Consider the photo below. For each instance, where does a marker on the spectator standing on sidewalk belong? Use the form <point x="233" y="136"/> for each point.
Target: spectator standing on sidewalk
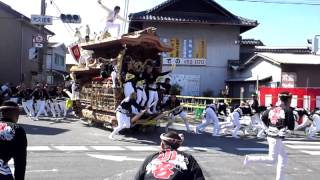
<point x="13" y="143"/>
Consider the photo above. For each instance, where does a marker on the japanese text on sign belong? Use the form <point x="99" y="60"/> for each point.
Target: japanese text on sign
<point x="41" y="20"/>
<point x="184" y="61"/>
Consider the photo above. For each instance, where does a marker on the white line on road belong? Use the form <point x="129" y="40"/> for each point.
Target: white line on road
<point x="252" y="149"/>
<point x="313" y="153"/>
<point x="114" y="158"/>
<point x="108" y="148"/>
<point x="39" y="148"/>
<point x="303" y="147"/>
<point x="143" y="148"/>
<point x="39" y="171"/>
<point x="302" y="142"/>
<point x="71" y="148"/>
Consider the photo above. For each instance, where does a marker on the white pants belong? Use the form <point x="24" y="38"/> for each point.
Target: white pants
<point x="183" y="116"/>
<point x="110" y="25"/>
<point x="62" y="108"/>
<point x="277" y="154"/>
<point x="165" y="98"/>
<point x="41" y="108"/>
<point x="123" y="122"/>
<point x="114" y="79"/>
<point x="26" y="108"/>
<point x="315" y="127"/>
<point x="128" y="89"/>
<point x="206" y="122"/>
<point x="235" y="120"/>
<point x="141" y="97"/>
<point x="153" y="98"/>
<point x="50" y="106"/>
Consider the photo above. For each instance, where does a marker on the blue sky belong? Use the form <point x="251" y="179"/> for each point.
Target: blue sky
<point x="280" y="25"/>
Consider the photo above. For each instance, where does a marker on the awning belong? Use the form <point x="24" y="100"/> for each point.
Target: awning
<point x="249" y="79"/>
<point x="59" y="72"/>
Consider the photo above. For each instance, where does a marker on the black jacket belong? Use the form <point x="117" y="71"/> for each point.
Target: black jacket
<point x="171" y="165"/>
<point x="13" y="144"/>
<point x="278" y="118"/>
<point x="40" y="94"/>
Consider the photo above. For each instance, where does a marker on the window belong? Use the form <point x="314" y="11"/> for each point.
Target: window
<point x="58" y="60"/>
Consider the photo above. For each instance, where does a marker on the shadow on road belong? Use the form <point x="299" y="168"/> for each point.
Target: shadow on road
<point x="225" y="144"/>
<point x="41" y="130"/>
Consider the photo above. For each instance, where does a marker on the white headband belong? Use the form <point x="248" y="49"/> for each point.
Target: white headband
<point x="172" y="140"/>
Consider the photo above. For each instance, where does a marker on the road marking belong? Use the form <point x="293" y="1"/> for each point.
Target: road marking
<point x="302" y="142"/>
<point x="108" y="148"/>
<point x="143" y="148"/>
<point x="303" y="147"/>
<point x="71" y="148"/>
<point x="313" y="153"/>
<point x="116" y="148"/>
<point x="39" y="171"/>
<point x="115" y="158"/>
<point x="253" y="149"/>
<point x="38" y="148"/>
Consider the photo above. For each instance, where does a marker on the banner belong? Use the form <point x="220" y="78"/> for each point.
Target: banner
<point x="175" y="44"/>
<point x="74" y="50"/>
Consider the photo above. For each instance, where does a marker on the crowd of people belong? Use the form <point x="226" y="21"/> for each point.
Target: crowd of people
<point x="41" y="100"/>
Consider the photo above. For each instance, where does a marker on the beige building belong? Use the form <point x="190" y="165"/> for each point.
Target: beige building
<point x="16" y="38"/>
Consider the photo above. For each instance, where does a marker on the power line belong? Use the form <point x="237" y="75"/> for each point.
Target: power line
<point x="58" y="10"/>
<point x="317" y="3"/>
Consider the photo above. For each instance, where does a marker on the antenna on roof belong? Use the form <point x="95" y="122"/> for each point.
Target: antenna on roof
<point x="315" y="44"/>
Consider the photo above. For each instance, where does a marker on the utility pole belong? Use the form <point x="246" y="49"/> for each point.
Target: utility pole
<point x="43" y="50"/>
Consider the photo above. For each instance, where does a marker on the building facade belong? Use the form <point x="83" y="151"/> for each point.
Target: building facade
<point x="56" y="63"/>
<point x="203" y="35"/>
<point x="269" y="69"/>
<point x="16" y="38"/>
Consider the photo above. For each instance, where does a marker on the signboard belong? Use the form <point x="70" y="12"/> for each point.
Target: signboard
<point x="74" y="50"/>
<point x="184" y="61"/>
<point x="288" y="79"/>
<point x="38" y="45"/>
<point x="41" y="20"/>
<point x="38" y="38"/>
<point x="190" y="83"/>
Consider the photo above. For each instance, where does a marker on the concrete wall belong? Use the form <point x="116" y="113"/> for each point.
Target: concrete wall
<point x="221" y="47"/>
<point x="10" y="43"/>
<point x="15" y="41"/>
<point x="52" y="52"/>
<point x="307" y="75"/>
<point x="262" y="68"/>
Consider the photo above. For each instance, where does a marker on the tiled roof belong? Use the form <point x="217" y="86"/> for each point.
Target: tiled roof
<point x="155" y="15"/>
<point x="253" y="42"/>
<point x="18" y="15"/>
<point x="286" y="58"/>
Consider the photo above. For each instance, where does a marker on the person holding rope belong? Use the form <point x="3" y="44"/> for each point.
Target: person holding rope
<point x="170" y="163"/>
<point x="127" y="113"/>
<point x="173" y="104"/>
<point x="278" y="120"/>
<point x="210" y="117"/>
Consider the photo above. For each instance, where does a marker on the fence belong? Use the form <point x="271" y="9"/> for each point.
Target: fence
<point x="196" y="105"/>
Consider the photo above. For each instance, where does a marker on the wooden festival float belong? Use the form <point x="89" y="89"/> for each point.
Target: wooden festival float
<point x="97" y="97"/>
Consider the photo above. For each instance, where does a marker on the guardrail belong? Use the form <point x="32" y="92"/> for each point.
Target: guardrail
<point x="193" y="103"/>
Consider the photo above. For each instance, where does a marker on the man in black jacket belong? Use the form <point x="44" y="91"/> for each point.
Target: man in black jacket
<point x="13" y="143"/>
<point x="170" y="163"/>
<point x="278" y="119"/>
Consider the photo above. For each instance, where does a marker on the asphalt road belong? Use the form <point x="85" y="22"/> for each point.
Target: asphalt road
<point x="71" y="150"/>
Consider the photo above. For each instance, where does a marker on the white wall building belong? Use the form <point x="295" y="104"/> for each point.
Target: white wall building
<point x="56" y="62"/>
<point x="204" y="37"/>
